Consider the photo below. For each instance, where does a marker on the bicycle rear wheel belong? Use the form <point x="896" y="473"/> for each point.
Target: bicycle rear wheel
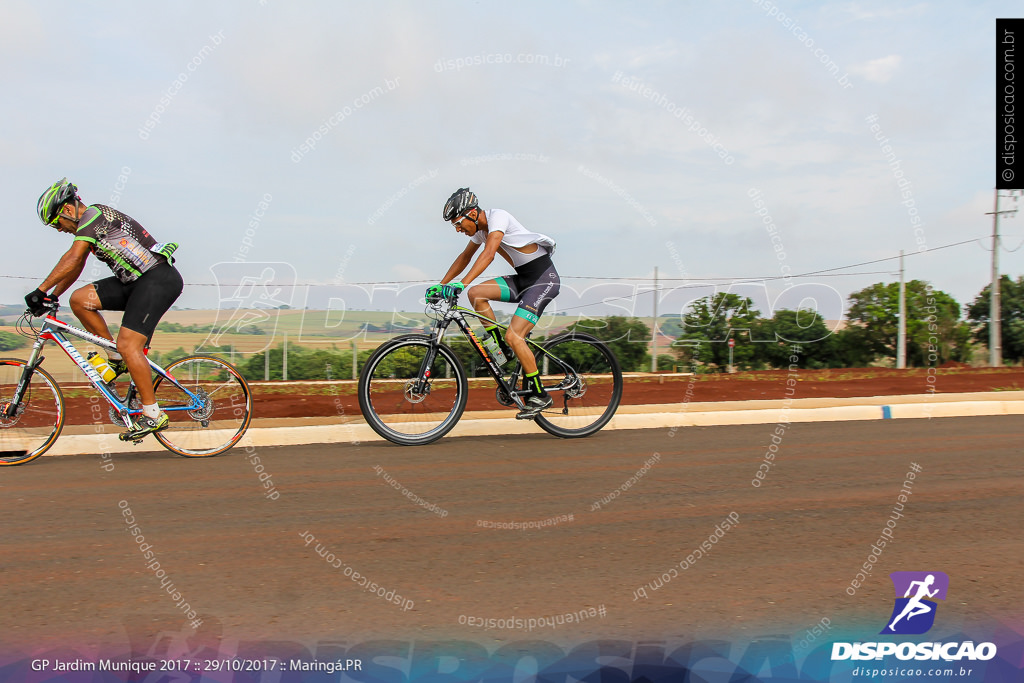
<point x="223" y="412"/>
<point x="390" y="402"/>
<point x="39" y="418"/>
<point x="591" y="385"/>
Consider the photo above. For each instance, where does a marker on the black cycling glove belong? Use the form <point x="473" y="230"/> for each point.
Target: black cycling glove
<point x="39" y="302"/>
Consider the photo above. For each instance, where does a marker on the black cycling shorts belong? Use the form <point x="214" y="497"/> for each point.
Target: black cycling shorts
<point x="145" y="300"/>
<point x="534" y="285"/>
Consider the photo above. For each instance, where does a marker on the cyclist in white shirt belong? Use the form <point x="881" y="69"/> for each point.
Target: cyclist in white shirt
<point x="534" y="284"/>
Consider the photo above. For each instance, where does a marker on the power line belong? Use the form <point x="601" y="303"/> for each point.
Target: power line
<point x="588" y="277"/>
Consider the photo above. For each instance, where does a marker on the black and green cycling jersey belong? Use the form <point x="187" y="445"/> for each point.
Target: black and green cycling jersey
<point x="121" y="242"/>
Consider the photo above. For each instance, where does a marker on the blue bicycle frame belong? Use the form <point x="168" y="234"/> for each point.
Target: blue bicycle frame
<point x="55" y="330"/>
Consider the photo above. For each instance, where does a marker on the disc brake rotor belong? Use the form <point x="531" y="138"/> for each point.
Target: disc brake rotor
<point x="578" y="389"/>
<point x="410" y="392"/>
<point x="13" y="420"/>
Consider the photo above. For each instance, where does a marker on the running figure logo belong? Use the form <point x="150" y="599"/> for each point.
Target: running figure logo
<point x="914" y="612"/>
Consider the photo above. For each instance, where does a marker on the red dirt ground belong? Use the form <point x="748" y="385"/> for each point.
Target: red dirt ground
<point x="319" y="400"/>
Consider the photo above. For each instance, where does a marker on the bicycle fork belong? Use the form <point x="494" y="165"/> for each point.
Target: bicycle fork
<point x="33" y="362"/>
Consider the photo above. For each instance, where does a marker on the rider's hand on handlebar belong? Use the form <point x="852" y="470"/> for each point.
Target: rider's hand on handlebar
<point x="39" y="302"/>
<point x="437" y="293"/>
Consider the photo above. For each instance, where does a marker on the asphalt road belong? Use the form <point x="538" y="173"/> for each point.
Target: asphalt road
<point x="245" y="558"/>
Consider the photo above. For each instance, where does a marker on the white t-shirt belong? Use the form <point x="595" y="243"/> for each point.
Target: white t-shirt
<point x="515" y="236"/>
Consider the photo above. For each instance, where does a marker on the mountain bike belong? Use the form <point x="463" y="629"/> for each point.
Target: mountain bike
<point x="207" y="400"/>
<point x="413" y="389"/>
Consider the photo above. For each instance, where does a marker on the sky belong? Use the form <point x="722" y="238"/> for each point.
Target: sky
<point x="312" y="145"/>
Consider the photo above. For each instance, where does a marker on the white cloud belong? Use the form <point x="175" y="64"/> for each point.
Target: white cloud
<point x="878" y="70"/>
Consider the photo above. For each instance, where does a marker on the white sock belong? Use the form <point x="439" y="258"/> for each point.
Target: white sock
<point x="151" y="411"/>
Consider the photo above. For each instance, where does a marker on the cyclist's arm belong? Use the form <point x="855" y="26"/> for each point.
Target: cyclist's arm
<point x="460" y="263"/>
<point x="486" y="256"/>
<point x="67" y="269"/>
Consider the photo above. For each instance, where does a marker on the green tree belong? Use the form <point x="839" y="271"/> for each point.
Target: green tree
<point x="935" y="332"/>
<point x="1011" y="305"/>
<point x="711" y="322"/>
<point x="9" y="342"/>
<point x="628" y="339"/>
<point x="806" y="328"/>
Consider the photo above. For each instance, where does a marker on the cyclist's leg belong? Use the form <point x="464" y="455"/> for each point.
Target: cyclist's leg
<point x="532" y="302"/>
<point x="481" y="295"/>
<point x="131" y="345"/>
<point x="86" y="304"/>
<point x="516" y="338"/>
<point x="150" y="298"/>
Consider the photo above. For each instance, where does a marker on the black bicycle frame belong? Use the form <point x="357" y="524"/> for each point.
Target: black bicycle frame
<point x="456" y="314"/>
<point x="54" y="330"/>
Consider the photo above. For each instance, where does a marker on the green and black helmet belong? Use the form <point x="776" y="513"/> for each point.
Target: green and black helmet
<point x="461" y="201"/>
<point x="50" y="203"/>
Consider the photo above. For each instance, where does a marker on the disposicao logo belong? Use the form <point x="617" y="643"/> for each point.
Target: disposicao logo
<point x="913" y="613"/>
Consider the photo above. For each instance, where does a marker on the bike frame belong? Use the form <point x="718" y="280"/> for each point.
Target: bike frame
<point x="457" y="314"/>
<point x="57" y="331"/>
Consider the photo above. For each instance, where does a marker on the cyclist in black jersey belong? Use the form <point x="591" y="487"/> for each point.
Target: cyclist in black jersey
<point x="534" y="285"/>
<point x="144" y="285"/>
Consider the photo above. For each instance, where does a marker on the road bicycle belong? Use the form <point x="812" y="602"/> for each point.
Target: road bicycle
<point x="413" y="388"/>
<point x="207" y="400"/>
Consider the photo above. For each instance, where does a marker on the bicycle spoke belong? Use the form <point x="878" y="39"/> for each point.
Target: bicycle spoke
<point x="219" y="415"/>
<point x="586" y="389"/>
<point x="391" y="402"/>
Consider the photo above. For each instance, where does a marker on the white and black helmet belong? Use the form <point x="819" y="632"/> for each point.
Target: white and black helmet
<point x="461" y="201"/>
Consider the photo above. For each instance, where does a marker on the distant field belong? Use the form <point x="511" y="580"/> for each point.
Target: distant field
<point x="307" y="328"/>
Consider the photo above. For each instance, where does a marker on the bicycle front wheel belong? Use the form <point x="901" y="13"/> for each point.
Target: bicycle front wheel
<point x="587" y="382"/>
<point x="214" y="417"/>
<point x="38" y="419"/>
<point x="400" y="410"/>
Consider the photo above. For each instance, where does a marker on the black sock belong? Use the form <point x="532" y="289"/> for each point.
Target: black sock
<point x="533" y="381"/>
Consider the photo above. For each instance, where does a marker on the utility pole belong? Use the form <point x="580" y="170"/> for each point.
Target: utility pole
<point x="995" y="318"/>
<point x="355" y="360"/>
<point x="654" y="325"/>
<point x="901" y="335"/>
<point x="284" y="359"/>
